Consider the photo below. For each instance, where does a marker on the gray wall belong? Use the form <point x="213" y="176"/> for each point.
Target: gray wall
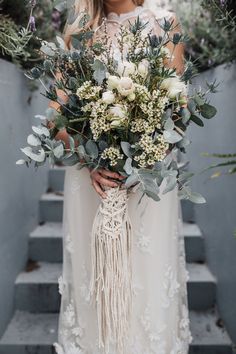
<point x="217" y="218"/>
<point x="20" y="188"/>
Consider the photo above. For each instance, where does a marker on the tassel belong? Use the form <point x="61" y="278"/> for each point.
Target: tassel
<point x="110" y="285"/>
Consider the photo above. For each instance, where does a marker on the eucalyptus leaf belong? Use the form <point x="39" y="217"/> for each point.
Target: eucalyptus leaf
<point x="51" y="113"/>
<point x="197" y="120"/>
<point x="20" y="162"/>
<point x="60" y="122"/>
<point x="185" y="114"/>
<point x="183" y="177"/>
<point x="41" y="130"/>
<point x="102" y="145"/>
<point x="38" y="157"/>
<point x="192" y="106"/>
<point x="169" y="124"/>
<point x="171" y="136"/>
<point x="171" y="184"/>
<point x="128" y="166"/>
<point x="48" y="48"/>
<point x="70" y="159"/>
<point x="72" y="143"/>
<point x="39" y="116"/>
<point x="33" y="140"/>
<point x="208" y="111"/>
<point x="131" y="180"/>
<point x="81" y="151"/>
<point x="91" y="149"/>
<point x="197" y="198"/>
<point x="199" y="100"/>
<point x="126" y="148"/>
<point x="58" y="151"/>
<point x="99" y="71"/>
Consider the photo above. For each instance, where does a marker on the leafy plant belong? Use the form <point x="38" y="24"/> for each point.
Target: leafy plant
<point x="19" y="19"/>
<point x="211" y="28"/>
<point x="226" y="161"/>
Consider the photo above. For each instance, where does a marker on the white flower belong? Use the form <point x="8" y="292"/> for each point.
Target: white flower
<point x="113" y="82"/>
<point x="174" y="86"/>
<point x="131" y="97"/>
<point x="143" y="68"/>
<point x="126" y="86"/>
<point x="108" y="97"/>
<point x="117" y="115"/>
<point x="126" y="68"/>
<point x="117" y="111"/>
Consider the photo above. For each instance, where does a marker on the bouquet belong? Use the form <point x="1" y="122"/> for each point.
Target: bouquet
<point x="125" y="111"/>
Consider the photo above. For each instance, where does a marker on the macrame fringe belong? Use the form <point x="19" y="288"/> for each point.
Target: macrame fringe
<point x="110" y="285"/>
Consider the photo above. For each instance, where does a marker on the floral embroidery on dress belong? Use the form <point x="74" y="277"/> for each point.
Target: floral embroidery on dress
<point x="143" y="241"/>
<point x="69" y="315"/>
<point x="170" y="286"/>
<point x="136" y="288"/>
<point x="69" y="244"/>
<point x="72" y="332"/>
<point x="61" y="285"/>
<point x="75" y="186"/>
<point x="157" y="344"/>
<point x="71" y="349"/>
<point x="84" y="288"/>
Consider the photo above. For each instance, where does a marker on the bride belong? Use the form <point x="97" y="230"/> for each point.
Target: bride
<point x="159" y="321"/>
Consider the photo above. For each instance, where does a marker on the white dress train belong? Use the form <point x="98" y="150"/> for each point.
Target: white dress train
<point x="160" y="316"/>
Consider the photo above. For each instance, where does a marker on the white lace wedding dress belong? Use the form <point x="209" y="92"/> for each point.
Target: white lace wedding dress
<point x="160" y="318"/>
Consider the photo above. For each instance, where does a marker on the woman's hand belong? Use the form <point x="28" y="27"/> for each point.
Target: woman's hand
<point x="100" y="178"/>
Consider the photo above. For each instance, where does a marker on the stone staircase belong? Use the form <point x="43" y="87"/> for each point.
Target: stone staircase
<point x="33" y="328"/>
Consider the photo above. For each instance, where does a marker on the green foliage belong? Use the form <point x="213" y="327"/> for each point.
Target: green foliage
<point x="210" y="26"/>
<point x="17" y="43"/>
<point x="13" y="42"/>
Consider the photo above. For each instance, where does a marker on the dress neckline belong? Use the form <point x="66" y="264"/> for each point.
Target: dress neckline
<point x="113" y="16"/>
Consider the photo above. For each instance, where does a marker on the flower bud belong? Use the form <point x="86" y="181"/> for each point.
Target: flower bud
<point x="108" y="97"/>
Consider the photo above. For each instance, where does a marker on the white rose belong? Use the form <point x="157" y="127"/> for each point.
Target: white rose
<point x="126" y="86"/>
<point x="113" y="82"/>
<point x="174" y="86"/>
<point x="108" y="97"/>
<point x="143" y="68"/>
<point x="117" y="115"/>
<point x="126" y="68"/>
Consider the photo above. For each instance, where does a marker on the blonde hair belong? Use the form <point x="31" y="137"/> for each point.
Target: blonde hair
<point x="95" y="9"/>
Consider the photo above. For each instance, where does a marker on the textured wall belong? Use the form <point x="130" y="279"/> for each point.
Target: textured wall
<point x="217" y="218"/>
<point x="20" y="187"/>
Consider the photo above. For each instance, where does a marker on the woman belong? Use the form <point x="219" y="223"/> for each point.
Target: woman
<point x="159" y="318"/>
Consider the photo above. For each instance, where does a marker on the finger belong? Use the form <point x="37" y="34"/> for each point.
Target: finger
<point x="107" y="182"/>
<point x="98" y="189"/>
<point x="110" y="174"/>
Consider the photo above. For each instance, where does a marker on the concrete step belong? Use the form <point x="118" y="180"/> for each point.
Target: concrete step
<point x="45" y="243"/>
<point x="56" y="178"/>
<point x="187" y="210"/>
<point x="35" y="333"/>
<point x="51" y="207"/>
<point x="30" y="334"/>
<point x="201" y="287"/>
<point x="37" y="290"/>
<point x="194" y="243"/>
<point x="209" y="334"/>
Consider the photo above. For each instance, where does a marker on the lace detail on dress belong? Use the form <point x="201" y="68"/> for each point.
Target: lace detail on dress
<point x="170" y="286"/>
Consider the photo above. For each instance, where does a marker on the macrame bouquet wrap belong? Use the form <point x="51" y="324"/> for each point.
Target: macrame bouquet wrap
<point x="111" y="275"/>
